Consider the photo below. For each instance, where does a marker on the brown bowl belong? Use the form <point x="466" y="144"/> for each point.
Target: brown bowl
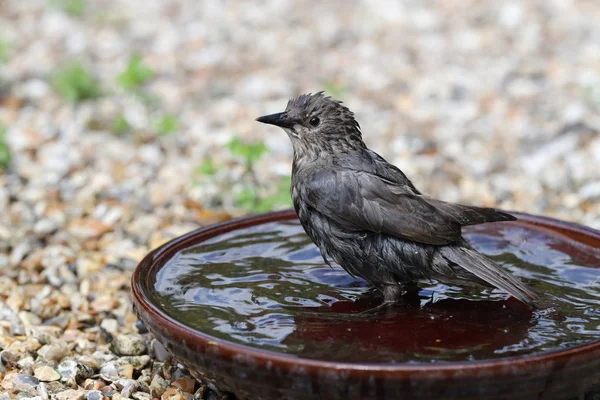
<point x="254" y="373"/>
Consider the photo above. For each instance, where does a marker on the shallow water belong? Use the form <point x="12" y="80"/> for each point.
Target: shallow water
<point x="268" y="287"/>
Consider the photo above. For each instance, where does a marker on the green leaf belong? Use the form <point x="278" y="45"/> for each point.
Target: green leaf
<point x="249" y="200"/>
<point x="74" y="83"/>
<point x="250" y="152"/>
<point x="246" y="198"/>
<point x="167" y="124"/>
<point x="74" y="8"/>
<point x="135" y="74"/>
<point x="5" y="154"/>
<point x="281" y="197"/>
<point x="5" y="49"/>
<point x="120" y="125"/>
<point x="207" y="167"/>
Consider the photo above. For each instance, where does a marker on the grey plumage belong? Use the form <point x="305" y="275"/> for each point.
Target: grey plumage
<point x="367" y="216"/>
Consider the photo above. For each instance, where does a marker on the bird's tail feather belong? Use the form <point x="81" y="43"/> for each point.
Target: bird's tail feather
<point x="489" y="271"/>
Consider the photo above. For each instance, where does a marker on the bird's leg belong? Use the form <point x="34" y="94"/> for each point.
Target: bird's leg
<point x="395" y="295"/>
<point x="392" y="293"/>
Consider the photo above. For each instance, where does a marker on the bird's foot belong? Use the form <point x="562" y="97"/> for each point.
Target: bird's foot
<point x="395" y="296"/>
<point x="382" y="308"/>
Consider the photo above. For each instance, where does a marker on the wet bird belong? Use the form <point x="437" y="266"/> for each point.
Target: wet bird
<point x="366" y="215"/>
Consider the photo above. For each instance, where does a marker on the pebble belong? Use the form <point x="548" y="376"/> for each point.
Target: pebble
<point x="129" y="345"/>
<point x="137" y="362"/>
<point x="53" y="352"/>
<point x="43" y="391"/>
<point x="70" y="394"/>
<point x="141" y="396"/>
<point x="111" y="325"/>
<point x="109" y="372"/>
<point x="158" y="386"/>
<point x="70" y="368"/>
<point x="186" y="385"/>
<point x="24" y="383"/>
<point x="126" y="386"/>
<point x="94" y="395"/>
<point x="46" y="374"/>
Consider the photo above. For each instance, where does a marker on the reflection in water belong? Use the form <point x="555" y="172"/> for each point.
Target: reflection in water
<point x="268" y="287"/>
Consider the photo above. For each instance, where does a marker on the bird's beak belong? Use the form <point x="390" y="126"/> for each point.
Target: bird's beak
<point x="280" y="119"/>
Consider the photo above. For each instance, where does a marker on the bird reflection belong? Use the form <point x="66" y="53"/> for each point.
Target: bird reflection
<point x="444" y="330"/>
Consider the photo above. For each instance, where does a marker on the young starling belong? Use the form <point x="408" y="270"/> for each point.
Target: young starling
<point x="367" y="216"/>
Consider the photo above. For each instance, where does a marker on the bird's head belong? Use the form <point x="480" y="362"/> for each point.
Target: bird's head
<point x="315" y="122"/>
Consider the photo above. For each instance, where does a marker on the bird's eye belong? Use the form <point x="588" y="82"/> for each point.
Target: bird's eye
<point x="314" y="121"/>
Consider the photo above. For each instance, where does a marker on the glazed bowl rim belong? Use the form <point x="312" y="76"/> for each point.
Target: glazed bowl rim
<point x="231" y="350"/>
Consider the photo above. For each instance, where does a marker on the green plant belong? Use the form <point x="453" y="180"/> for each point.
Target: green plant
<point x="135" y="75"/>
<point x="5" y="49"/>
<point x="5" y="155"/>
<point x="249" y="152"/>
<point x="592" y="95"/>
<point x="75" y="83"/>
<point x="249" y="194"/>
<point x="74" y="8"/>
<point x="120" y="125"/>
<point x="166" y="125"/>
<point x="207" y="167"/>
<point x="249" y="199"/>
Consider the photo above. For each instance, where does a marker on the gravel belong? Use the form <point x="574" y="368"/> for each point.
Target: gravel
<point x="488" y="103"/>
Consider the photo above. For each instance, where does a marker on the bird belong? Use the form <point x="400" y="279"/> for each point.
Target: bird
<point x="367" y="216"/>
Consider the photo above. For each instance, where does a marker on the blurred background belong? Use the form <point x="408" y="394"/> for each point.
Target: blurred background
<point x="124" y="124"/>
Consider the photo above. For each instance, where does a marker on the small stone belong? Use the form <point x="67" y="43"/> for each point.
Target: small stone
<point x="172" y="394"/>
<point x="138" y="362"/>
<point x="108" y="391"/>
<point x="186" y="385"/>
<point x="43" y="391"/>
<point x="91" y="362"/>
<point x="200" y="392"/>
<point x="28" y="345"/>
<point x="87" y="228"/>
<point x="128" y="345"/>
<point x="70" y="394"/>
<point x="158" y="386"/>
<point x="54" y="388"/>
<point x="46" y="374"/>
<point x="126" y="386"/>
<point x="93" y="384"/>
<point x="104" y="303"/>
<point x="159" y="350"/>
<point x="110" y="325"/>
<point x="126" y="371"/>
<point x="94" y="395"/>
<point x="109" y="372"/>
<point x="44" y="334"/>
<point x="141" y="396"/>
<point x="53" y="352"/>
<point x="140" y="326"/>
<point x="10" y="358"/>
<point x="23" y="383"/>
<point x="26" y="363"/>
<point x="70" y="368"/>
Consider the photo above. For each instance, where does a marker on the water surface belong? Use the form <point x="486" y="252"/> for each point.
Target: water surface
<point x="268" y="287"/>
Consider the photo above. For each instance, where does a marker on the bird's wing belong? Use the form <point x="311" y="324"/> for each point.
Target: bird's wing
<point x="362" y="201"/>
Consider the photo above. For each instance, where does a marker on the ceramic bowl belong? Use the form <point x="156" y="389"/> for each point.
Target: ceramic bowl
<point x="252" y="373"/>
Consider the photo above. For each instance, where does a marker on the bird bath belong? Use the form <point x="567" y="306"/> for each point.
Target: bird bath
<point x="251" y="306"/>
